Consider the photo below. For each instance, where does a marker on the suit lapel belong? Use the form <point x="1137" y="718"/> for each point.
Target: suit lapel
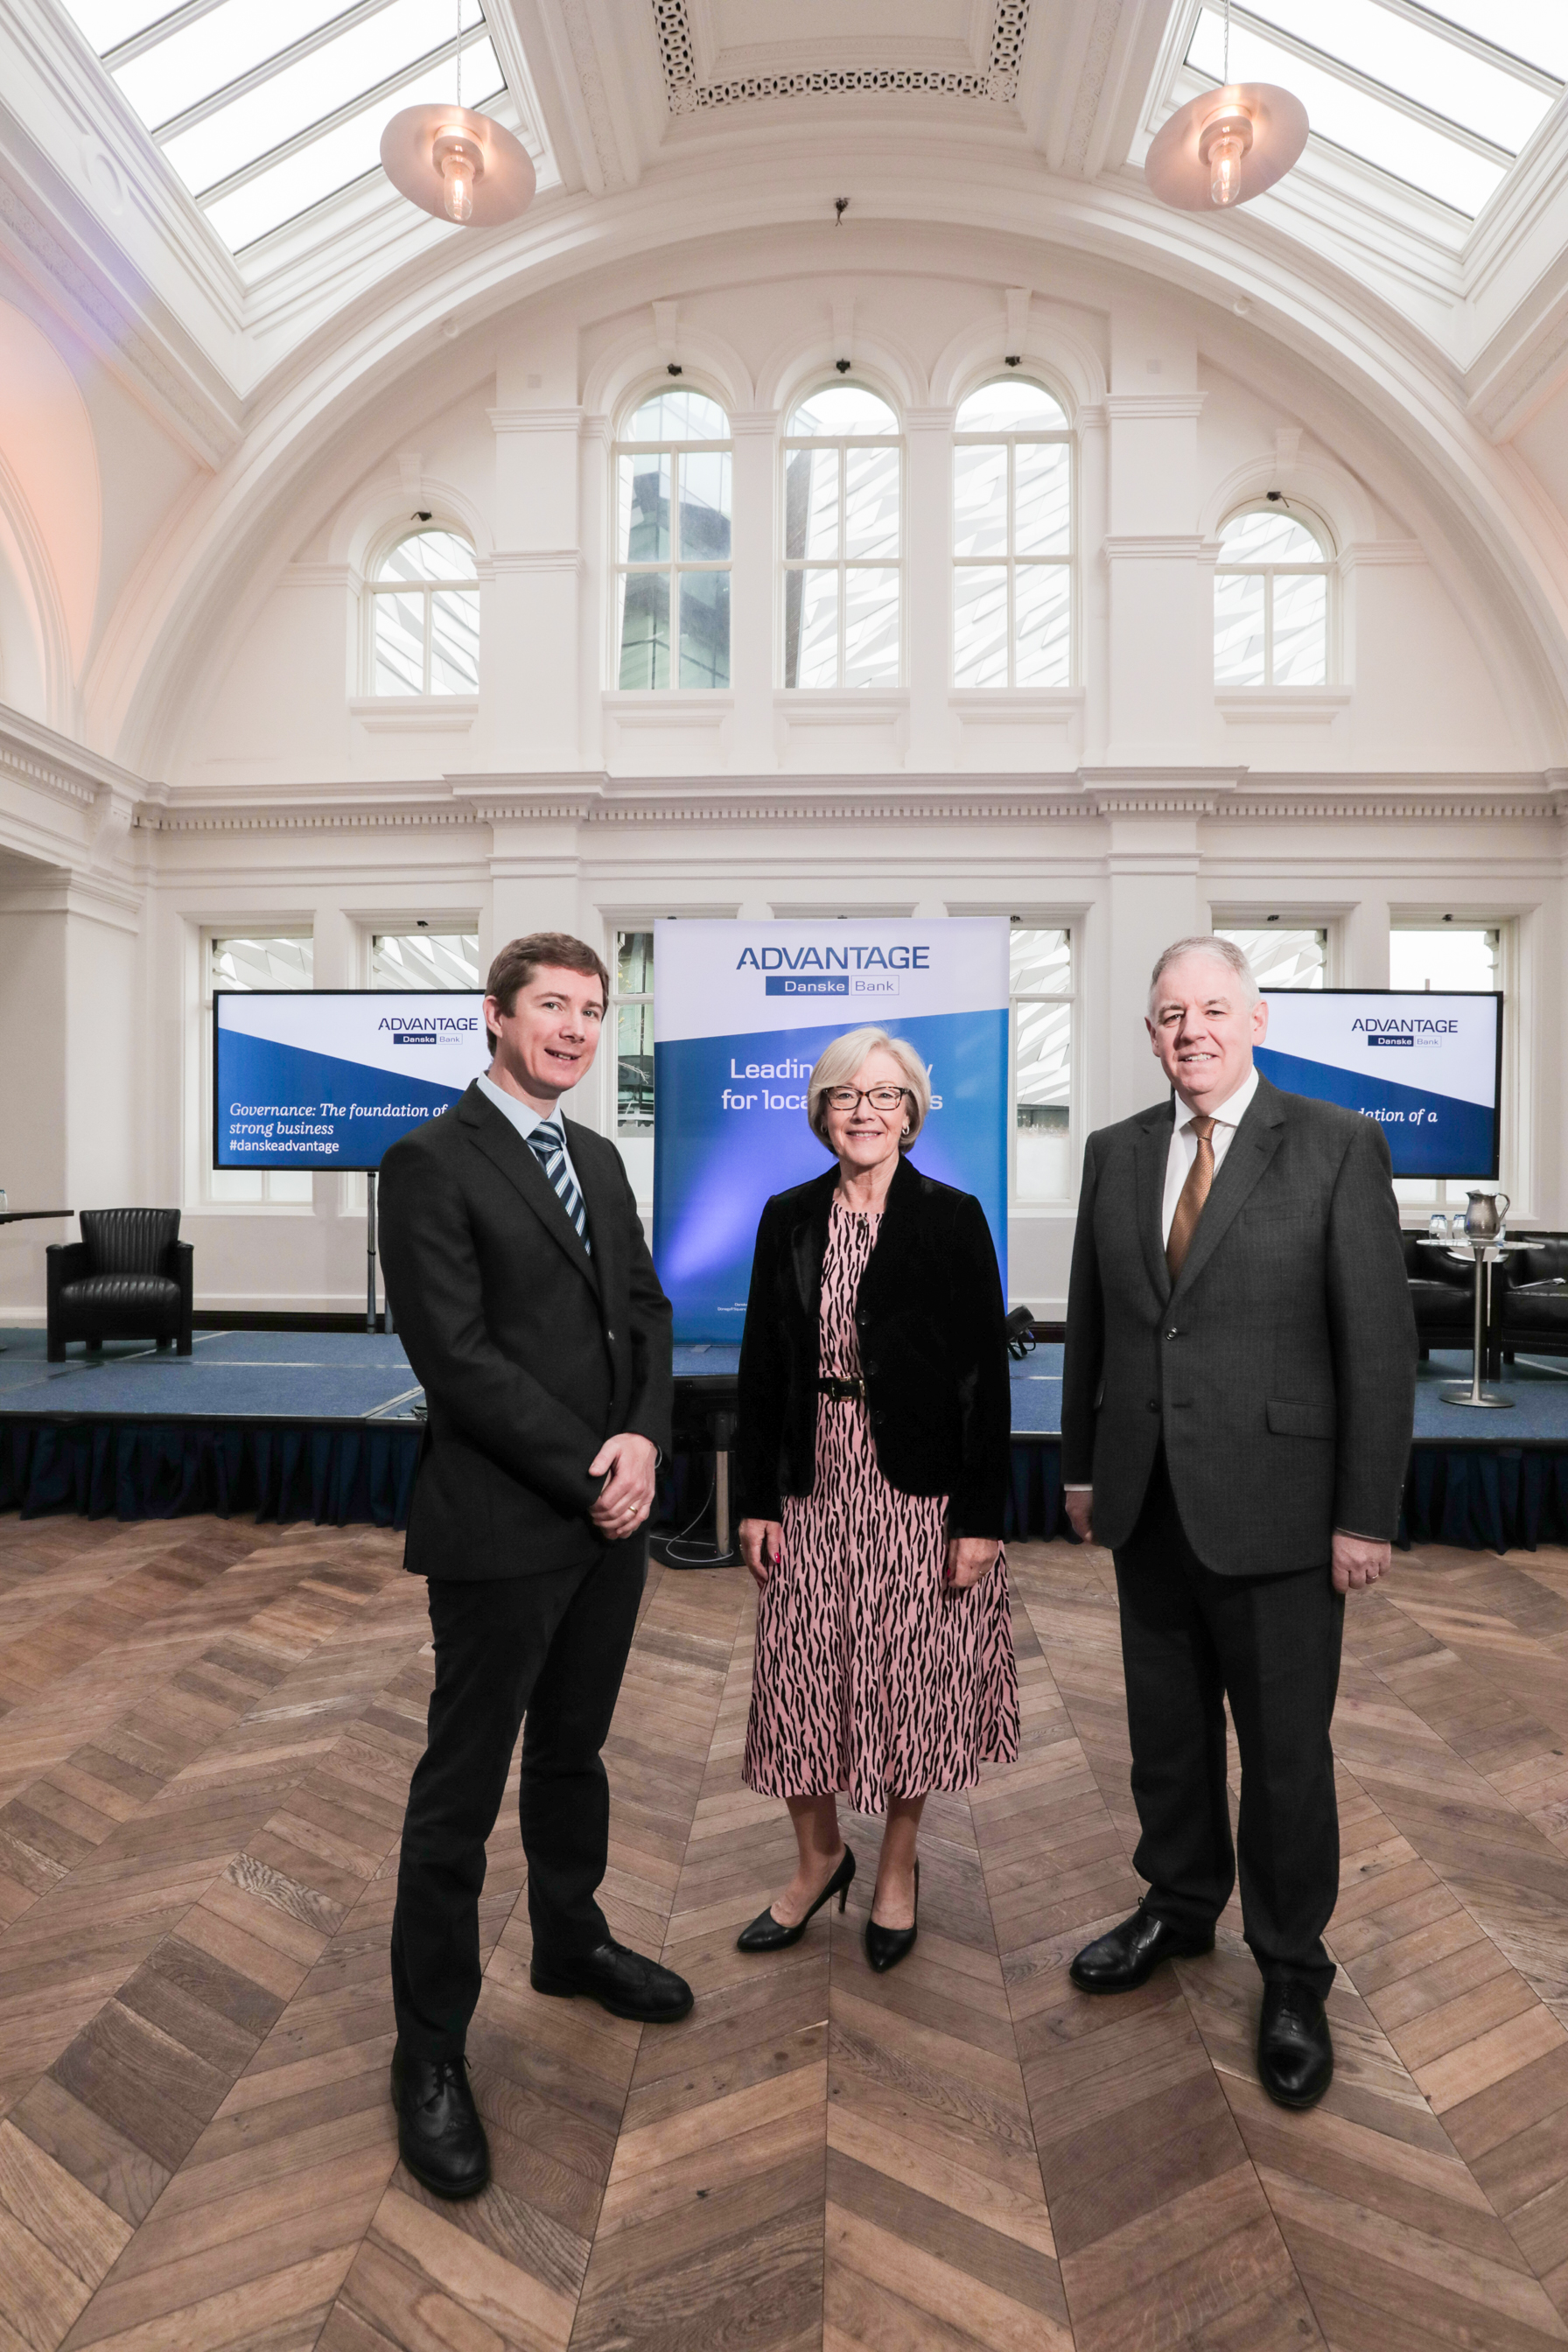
<point x="1252" y="1147"/>
<point x="808" y="1242"/>
<point x="1152" y="1154"/>
<point x="505" y="1148"/>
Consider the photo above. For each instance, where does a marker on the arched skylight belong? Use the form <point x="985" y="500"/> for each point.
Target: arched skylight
<point x="266" y="107"/>
<point x="842" y="408"/>
<point x="1011" y="405"/>
<point x="1442" y="95"/>
<point x="678" y="416"/>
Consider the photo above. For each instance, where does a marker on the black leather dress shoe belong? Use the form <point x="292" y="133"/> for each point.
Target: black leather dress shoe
<point x="439" y="2135"/>
<point x="767" y="1934"/>
<point x="886" y="1947"/>
<point x="1294" y="2052"/>
<point x="622" y="1982"/>
<point x="1127" y="1957"/>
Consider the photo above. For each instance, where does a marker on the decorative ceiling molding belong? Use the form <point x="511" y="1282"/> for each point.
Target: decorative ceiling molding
<point x="998" y="83"/>
<point x="209" y="433"/>
<point x="1092" y="85"/>
<point x="596" y="98"/>
<point x="598" y="800"/>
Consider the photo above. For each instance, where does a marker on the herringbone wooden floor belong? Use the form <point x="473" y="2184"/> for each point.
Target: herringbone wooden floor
<point x="205" y="1734"/>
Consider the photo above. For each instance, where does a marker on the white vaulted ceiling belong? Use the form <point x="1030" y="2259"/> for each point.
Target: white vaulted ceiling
<point x="192" y="184"/>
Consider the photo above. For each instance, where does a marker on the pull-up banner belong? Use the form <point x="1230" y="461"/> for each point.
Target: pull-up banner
<point x="740" y="1013"/>
<point x="1427" y="1068"/>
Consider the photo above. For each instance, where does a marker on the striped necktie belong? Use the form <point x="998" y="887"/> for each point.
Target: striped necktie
<point x="548" y="1145"/>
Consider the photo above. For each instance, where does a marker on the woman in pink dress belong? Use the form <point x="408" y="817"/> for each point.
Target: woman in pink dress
<point x="872" y="1458"/>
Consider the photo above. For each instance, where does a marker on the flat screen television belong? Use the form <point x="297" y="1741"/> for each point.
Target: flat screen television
<point x="329" y="1077"/>
<point x="1427" y="1068"/>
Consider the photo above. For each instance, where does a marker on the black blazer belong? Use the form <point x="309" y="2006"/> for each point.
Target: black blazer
<point x="531" y="1352"/>
<point x="933" y="1350"/>
<point x="1280" y="1369"/>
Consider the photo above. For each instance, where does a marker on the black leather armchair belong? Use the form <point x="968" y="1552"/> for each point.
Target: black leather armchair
<point x="129" y="1277"/>
<point x="1442" y="1292"/>
<point x="1534" y="1298"/>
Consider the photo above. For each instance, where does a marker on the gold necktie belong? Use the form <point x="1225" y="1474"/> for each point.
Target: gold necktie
<point x="1194" y="1193"/>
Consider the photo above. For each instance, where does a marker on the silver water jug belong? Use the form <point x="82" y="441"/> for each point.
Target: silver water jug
<point x="1483" y="1218"/>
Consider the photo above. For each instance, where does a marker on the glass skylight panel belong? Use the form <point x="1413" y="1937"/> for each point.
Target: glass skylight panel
<point x="1535" y="31"/>
<point x="266" y="107"/>
<point x="1423" y="153"/>
<point x="1419" y="61"/>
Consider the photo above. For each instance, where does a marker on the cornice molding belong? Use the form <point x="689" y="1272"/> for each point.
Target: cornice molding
<point x="1142" y="407"/>
<point x="536" y="420"/>
<point x="35" y="755"/>
<point x="1178" y="546"/>
<point x="528" y="560"/>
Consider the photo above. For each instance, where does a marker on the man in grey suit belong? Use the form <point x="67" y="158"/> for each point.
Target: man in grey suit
<point x="1238" y="1393"/>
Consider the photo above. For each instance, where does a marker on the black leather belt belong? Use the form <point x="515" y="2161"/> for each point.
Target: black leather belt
<point x="842" y="1391"/>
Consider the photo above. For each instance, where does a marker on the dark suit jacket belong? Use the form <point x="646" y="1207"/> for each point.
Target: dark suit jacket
<point x="1280" y="1370"/>
<point x="531" y="1352"/>
<point x="932" y="1328"/>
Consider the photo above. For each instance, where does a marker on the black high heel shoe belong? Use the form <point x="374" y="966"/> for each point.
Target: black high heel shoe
<point x="767" y="1934"/>
<point x="886" y="1947"/>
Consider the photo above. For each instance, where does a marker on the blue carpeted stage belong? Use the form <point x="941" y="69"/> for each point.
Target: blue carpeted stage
<point x="327" y="1426"/>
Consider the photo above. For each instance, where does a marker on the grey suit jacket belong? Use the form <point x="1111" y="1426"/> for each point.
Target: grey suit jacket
<point x="1280" y="1369"/>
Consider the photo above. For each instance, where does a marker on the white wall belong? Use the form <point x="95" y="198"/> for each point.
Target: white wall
<point x="1132" y="806"/>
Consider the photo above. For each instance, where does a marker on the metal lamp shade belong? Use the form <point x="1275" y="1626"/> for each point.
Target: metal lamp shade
<point x="1176" y="170"/>
<point x="501" y="191"/>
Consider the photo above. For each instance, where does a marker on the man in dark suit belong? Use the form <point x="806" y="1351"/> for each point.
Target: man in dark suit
<point x="530" y="1311"/>
<point x="1238" y="1393"/>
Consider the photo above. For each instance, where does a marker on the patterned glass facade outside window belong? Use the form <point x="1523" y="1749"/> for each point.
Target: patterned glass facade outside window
<point x="673" y="492"/>
<point x="425" y="617"/>
<point x="843" y="496"/>
<point x="1271" y="600"/>
<point x="1012" y="539"/>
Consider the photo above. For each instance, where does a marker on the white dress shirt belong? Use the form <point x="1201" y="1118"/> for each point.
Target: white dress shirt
<point x="525" y="1119"/>
<point x="1184" y="1148"/>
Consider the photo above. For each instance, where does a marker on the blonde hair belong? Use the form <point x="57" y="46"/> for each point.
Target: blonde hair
<point x="837" y="1063"/>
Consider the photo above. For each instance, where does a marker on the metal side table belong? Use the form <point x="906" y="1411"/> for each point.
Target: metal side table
<point x="1481" y="1254"/>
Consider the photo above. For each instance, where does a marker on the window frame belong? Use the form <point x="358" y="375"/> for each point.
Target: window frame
<point x="1064" y="434"/>
<point x="675" y="565"/>
<point x="618" y="926"/>
<point x="1449" y="1192"/>
<point x="267" y="1201"/>
<point x="428" y="589"/>
<point x="842" y="563"/>
<point x="1327" y="569"/>
<point x="1043" y="1204"/>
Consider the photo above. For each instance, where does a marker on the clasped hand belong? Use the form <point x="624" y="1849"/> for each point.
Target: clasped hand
<point x="626" y="1498"/>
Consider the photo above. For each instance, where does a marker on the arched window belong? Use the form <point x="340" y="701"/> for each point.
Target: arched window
<point x="1271" y="599"/>
<point x="843" y="491"/>
<point x="1012" y="538"/>
<point x="425" y="617"/>
<point x="672" y="544"/>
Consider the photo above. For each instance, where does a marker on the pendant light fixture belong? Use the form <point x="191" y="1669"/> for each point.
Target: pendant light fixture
<point x="459" y="165"/>
<point x="1228" y="145"/>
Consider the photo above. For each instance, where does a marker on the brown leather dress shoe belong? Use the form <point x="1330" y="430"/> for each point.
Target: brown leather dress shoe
<point x="439" y="2135"/>
<point x="1126" y="1956"/>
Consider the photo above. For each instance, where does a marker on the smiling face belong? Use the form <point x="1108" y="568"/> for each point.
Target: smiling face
<point x="865" y="1136"/>
<point x="547" y="1042"/>
<point x="1203" y="1029"/>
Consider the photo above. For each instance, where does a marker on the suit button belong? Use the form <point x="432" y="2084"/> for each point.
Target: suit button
<point x="1172" y="1333"/>
<point x="611" y="1337"/>
<point x="1153" y="1404"/>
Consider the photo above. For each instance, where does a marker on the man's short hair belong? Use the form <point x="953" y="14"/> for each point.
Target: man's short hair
<point x="1208" y="944"/>
<point x="517" y="961"/>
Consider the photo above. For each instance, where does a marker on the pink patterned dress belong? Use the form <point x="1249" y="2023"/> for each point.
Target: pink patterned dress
<point x="873" y="1676"/>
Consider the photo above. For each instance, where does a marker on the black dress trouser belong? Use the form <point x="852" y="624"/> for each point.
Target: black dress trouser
<point x="1271" y="1644"/>
<point x="552" y="1648"/>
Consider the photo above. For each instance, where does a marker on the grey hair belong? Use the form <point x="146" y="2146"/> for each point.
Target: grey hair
<point x="1209" y="944"/>
<point x="842" y="1056"/>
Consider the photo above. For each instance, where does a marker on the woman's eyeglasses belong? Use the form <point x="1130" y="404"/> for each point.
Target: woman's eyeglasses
<point x="851" y="1098"/>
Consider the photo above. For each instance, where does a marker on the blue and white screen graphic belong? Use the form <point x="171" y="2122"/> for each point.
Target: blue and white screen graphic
<point x="1426" y="1067"/>
<point x="740" y="1013"/>
<point x="329" y="1078"/>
